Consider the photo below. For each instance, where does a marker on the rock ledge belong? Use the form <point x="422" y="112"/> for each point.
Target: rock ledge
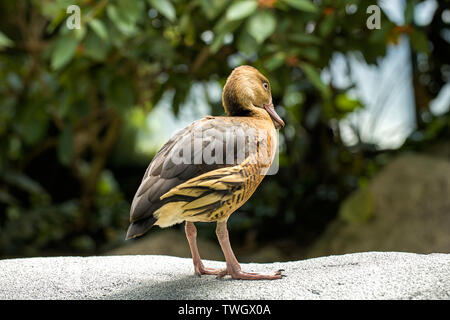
<point x="369" y="275"/>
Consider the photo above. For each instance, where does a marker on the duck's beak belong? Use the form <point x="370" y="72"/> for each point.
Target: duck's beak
<point x="277" y="121"/>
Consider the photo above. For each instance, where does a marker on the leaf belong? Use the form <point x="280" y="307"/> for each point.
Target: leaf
<point x="33" y="122"/>
<point x="304" y="38"/>
<point x="57" y="18"/>
<point x="120" y="94"/>
<point x="63" y="51"/>
<point x="5" y="41"/>
<point x="7" y="198"/>
<point x="311" y="53"/>
<point x="303" y="5"/>
<point x="346" y="104"/>
<point x="165" y="7"/>
<point x="22" y="182"/>
<point x="327" y="25"/>
<point x="80" y="33"/>
<point x="122" y="23"/>
<point x="314" y="76"/>
<point x="212" y="8"/>
<point x="99" y="28"/>
<point x="276" y="61"/>
<point x="419" y="41"/>
<point x="261" y="25"/>
<point x="65" y="146"/>
<point x="222" y="28"/>
<point x="95" y="48"/>
<point x="130" y="9"/>
<point x="241" y="9"/>
<point x="409" y="11"/>
<point x="246" y="43"/>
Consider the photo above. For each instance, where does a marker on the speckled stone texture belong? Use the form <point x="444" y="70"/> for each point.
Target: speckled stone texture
<point x="369" y="275"/>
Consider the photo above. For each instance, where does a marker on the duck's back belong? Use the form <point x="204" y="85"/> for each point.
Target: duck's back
<point x="203" y="173"/>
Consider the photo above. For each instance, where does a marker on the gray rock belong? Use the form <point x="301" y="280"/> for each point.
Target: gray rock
<point x="370" y="275"/>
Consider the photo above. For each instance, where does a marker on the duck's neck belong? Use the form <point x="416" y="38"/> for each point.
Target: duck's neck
<point x="259" y="113"/>
<point x="248" y="111"/>
<point x="238" y="111"/>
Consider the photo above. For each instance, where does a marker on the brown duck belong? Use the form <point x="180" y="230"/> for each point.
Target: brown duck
<point x="211" y="168"/>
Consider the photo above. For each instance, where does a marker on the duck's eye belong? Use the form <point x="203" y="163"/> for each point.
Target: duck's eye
<point x="266" y="85"/>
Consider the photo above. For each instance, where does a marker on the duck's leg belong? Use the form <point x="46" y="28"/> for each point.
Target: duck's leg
<point x="191" y="235"/>
<point x="233" y="268"/>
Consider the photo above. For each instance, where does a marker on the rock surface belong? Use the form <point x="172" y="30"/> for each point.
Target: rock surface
<point x="370" y="275"/>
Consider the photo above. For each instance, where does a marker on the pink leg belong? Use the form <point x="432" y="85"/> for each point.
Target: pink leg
<point x="233" y="268"/>
<point x="191" y="235"/>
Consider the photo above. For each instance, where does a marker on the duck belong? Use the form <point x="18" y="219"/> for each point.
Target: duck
<point x="209" y="169"/>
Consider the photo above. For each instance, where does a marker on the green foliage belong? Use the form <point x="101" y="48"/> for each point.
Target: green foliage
<point x="261" y="25"/>
<point x="65" y="146"/>
<point x="344" y="103"/>
<point x="66" y="97"/>
<point x="241" y="9"/>
<point x="165" y="7"/>
<point x="304" y="5"/>
<point x="5" y="41"/>
<point x="63" y="51"/>
<point x="419" y="42"/>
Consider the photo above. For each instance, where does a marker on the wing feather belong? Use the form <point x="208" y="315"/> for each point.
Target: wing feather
<point x="164" y="174"/>
<point x="213" y="191"/>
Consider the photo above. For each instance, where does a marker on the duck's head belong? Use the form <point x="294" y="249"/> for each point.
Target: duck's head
<point x="246" y="92"/>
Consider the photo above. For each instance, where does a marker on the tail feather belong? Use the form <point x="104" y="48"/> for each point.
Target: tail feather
<point x="138" y="228"/>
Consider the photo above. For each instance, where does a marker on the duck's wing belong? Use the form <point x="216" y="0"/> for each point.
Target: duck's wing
<point x="209" y="197"/>
<point x="183" y="158"/>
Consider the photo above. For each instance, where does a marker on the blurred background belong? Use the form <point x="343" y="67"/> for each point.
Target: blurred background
<point x="364" y="156"/>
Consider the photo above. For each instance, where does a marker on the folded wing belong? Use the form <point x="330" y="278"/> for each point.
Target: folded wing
<point x="203" y="147"/>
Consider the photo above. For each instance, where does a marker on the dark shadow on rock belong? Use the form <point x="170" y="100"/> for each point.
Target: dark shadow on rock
<point x="183" y="288"/>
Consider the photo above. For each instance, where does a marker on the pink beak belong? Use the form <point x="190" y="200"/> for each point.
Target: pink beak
<point x="277" y="121"/>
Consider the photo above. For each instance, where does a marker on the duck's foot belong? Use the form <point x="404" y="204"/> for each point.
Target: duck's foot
<point x="200" y="270"/>
<point x="242" y="275"/>
<point x="233" y="268"/>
